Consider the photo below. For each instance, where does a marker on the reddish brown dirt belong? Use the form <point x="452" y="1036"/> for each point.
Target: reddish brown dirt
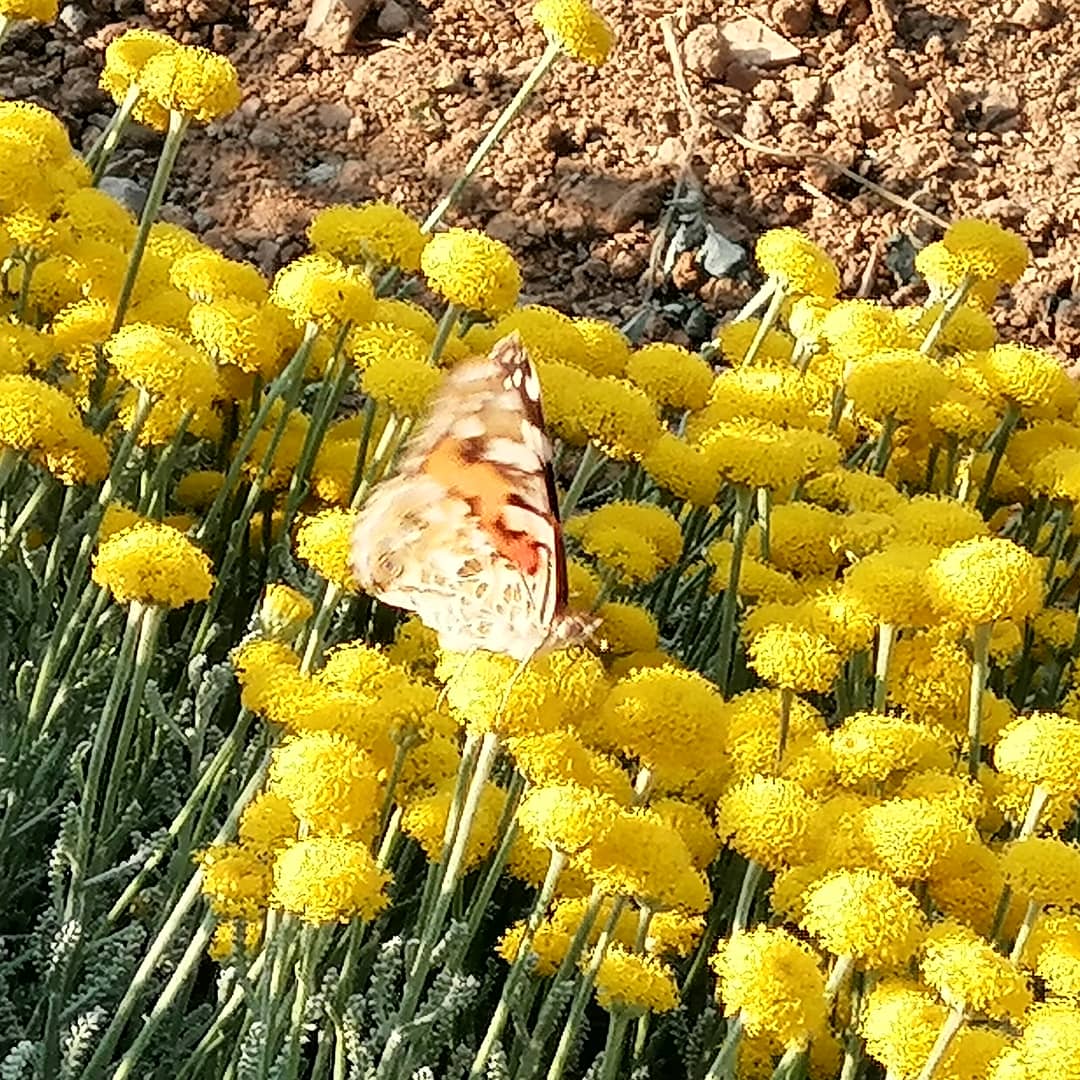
<point x="966" y="108"/>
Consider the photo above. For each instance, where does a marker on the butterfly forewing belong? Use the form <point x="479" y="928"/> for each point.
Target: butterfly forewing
<point x="466" y="533"/>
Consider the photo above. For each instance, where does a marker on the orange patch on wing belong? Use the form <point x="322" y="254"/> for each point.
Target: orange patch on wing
<point x="487" y="491"/>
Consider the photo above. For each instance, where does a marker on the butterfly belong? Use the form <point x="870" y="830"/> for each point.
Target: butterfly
<point x="466" y="532"/>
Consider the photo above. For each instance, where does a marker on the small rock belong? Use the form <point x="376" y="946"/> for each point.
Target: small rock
<point x="74" y="18"/>
<point x="393" y="19"/>
<point x="203" y="220"/>
<point x="1035" y="15"/>
<point x="706" y="52"/>
<point x="289" y="63"/>
<point x="267" y="255"/>
<point x="330" y="23"/>
<point x="792" y="16"/>
<point x="670" y="151"/>
<point x="999" y="105"/>
<point x="640" y="201"/>
<point x="79" y="92"/>
<point x="323" y="173"/>
<point x="265" y="136"/>
<point x="718" y="255"/>
<point x="505" y="226"/>
<point x="124" y="191"/>
<point x="206" y="12"/>
<point x="756" y="121"/>
<point x="805" y="94"/>
<point x="333" y="115"/>
<point x="752" y="42"/>
<point x="869" y="89"/>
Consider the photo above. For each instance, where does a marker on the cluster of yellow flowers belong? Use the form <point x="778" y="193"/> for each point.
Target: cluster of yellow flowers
<point x="834" y="558"/>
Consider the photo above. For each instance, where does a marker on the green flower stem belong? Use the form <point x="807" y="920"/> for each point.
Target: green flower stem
<point x="206" y="789"/>
<point x="102" y="150"/>
<point x="362" y="450"/>
<point x="174" y="137"/>
<point x="786" y="697"/>
<point x="1036" y="805"/>
<point x="447" y="322"/>
<point x="149" y="627"/>
<point x="949" y="1030"/>
<point x="152" y="502"/>
<point x="1031" y="913"/>
<point x="158" y="948"/>
<point x="393" y="436"/>
<point x="841" y="966"/>
<point x="306" y="967"/>
<point x="837" y="412"/>
<point x="5" y="26"/>
<point x="1062" y="529"/>
<point x="726" y="1063"/>
<point x="502" y="122"/>
<point x="764" y="517"/>
<point x="286" y="384"/>
<point x="519" y="968"/>
<point x="33" y="503"/>
<point x="317" y="627"/>
<point x="980" y="668"/>
<point x="747" y="894"/>
<point x="618" y="1021"/>
<point x="401" y="752"/>
<point x="885" y="643"/>
<point x="641" y="1033"/>
<point x="743" y="499"/>
<point x="592" y="460"/>
<point x="88" y="620"/>
<point x="998" y="442"/>
<point x="883" y="449"/>
<point x="582" y="990"/>
<point x="777" y="296"/>
<point x="544" y="1027"/>
<point x="29" y="263"/>
<point x="757" y="301"/>
<point x="948" y="310"/>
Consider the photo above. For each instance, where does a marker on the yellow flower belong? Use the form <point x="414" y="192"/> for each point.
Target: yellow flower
<point x="152" y="563"/>
<point x="627" y="628"/>
<point x="607" y="348"/>
<point x="775" y="982"/>
<point x="39" y="10"/>
<point x="415" y="646"/>
<point x="985" y="579"/>
<point x="795" y="658"/>
<point x="985" y="251"/>
<point x="619" y="548"/>
<point x="553" y="936"/>
<point x="682" y="469"/>
<point x="965" y="884"/>
<point x="235" y="881"/>
<point x="1032" y="379"/>
<point x="900" y="383"/>
<point x="125" y="58"/>
<point x="425" y="821"/>
<point x="690" y="821"/>
<point x="1042" y="749"/>
<point x="403" y="381"/>
<point x="870" y="747"/>
<point x="224" y="945"/>
<point x="967" y="329"/>
<point x="468" y="268"/>
<point x="901" y="1024"/>
<point x="560" y="757"/>
<point x="324" y="542"/>
<point x="766" y="820"/>
<point x="1045" y="870"/>
<point x="1053" y="953"/>
<point x="320" y="289"/>
<point x="267" y="823"/>
<point x="799" y="264"/>
<point x="735" y="339"/>
<point x="1048" y="1047"/>
<point x="842" y="489"/>
<point x="326" y="879"/>
<point x="581" y="31"/>
<point x="206" y="275"/>
<point x="164" y="365"/>
<point x="376" y="233"/>
<point x="31" y="124"/>
<point x="283" y="612"/>
<point x="190" y="80"/>
<point x="909" y="835"/>
<point x="856" y="329"/>
<point x="548" y="335"/>
<point x="566" y="817"/>
<point x="968" y="973"/>
<point x="892" y="584"/>
<point x="196" y="490"/>
<point x="759" y="453"/>
<point x="936" y="519"/>
<point x="864" y="914"/>
<point x="618" y="417"/>
<point x="235" y="331"/>
<point x="637" y="983"/>
<point x="673" y="377"/>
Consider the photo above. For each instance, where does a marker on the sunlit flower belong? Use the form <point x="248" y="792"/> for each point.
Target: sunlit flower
<point x="682" y="468"/>
<point x="560" y="757"/>
<point x="324" y="541"/>
<point x="404" y="382"/>
<point x="153" y="563"/>
<point x="235" y="331"/>
<point x="164" y="365"/>
<point x="125" y="58"/>
<point x="468" y="268"/>
<point x="618" y="417"/>
<point x="607" y="348"/>
<point x="267" y="823"/>
<point x="1045" y="870"/>
<point x="206" y="275"/>
<point x="901" y="1024"/>
<point x="795" y="658"/>
<point x="893" y="584"/>
<point x="692" y="824"/>
<point x="566" y="817"/>
<point x="375" y="233"/>
<point x="870" y="747"/>
<point x="582" y="32"/>
<point x="910" y="835"/>
<point x="633" y="981"/>
<point x="1048" y="1047"/>
<point x="735" y="339"/>
<point x="193" y="81"/>
<point x="985" y="579"/>
<point x="672" y="376"/>
<point x="1053" y="953"/>
<point x="986" y="251"/>
<point x="1042" y="749"/>
<point x="797" y="262"/>
<point x="856" y="329"/>
<point x="425" y="821"/>
<point x="235" y="881"/>
<point x="320" y="289"/>
<point x="326" y="879"/>
<point x="766" y="820"/>
<point x="1031" y="378"/>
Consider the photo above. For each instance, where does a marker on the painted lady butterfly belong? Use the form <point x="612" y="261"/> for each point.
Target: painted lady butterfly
<point x="466" y="532"/>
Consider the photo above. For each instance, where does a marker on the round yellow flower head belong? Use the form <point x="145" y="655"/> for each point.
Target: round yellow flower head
<point x="795" y="658"/>
<point x="900" y="383"/>
<point x="871" y="747"/>
<point x="968" y="973"/>
<point x="1042" y="749"/>
<point x="375" y="234"/>
<point x="1048" y="1047"/>
<point x="766" y="819"/>
<point x="901" y="1024"/>
<point x="657" y="526"/>
<point x="235" y="881"/>
<point x="892" y="584"/>
<point x="125" y="58"/>
<point x="1045" y="870"/>
<point x="627" y="628"/>
<point x="325" y="542"/>
<point x="986" y="579"/>
<point x="985" y="251"/>
<point x="197" y="83"/>
<point x="322" y="290"/>
<point x="207" y="276"/>
<point x="774" y="981"/>
<point x="328" y="781"/>
<point x="32" y="124"/>
<point x="673" y="377"/>
<point x="549" y="336"/>
<point x="401" y="380"/>
<point x="965" y="884"/>
<point x="163" y="364"/>
<point x="236" y="332"/>
<point x="153" y="563"/>
<point x="909" y="835"/>
<point x="691" y="822"/>
<point x="963" y="414"/>
<point x="753" y="729"/>
<point x="1053" y="953"/>
<point x="560" y="757"/>
<point x="864" y="914"/>
<point x="283" y="612"/>
<point x="797" y="262"/>
<point x="326" y="879"/>
<point x="368" y="344"/>
<point x="607" y="348"/>
<point x="685" y="470"/>
<point x="636" y="983"/>
<point x="842" y="489"/>
<point x="967" y="329"/>
<point x="267" y="823"/>
<point x="576" y="25"/>
<point x="197" y="490"/>
<point x="856" y="329"/>
<point x="618" y="417"/>
<point x="403" y="315"/>
<point x="566" y="817"/>
<point x="775" y="351"/>
<point x="470" y="269"/>
<point x="936" y="519"/>
<point x="425" y="821"/>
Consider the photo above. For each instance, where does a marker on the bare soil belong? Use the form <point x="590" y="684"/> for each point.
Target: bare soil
<point x="966" y="108"/>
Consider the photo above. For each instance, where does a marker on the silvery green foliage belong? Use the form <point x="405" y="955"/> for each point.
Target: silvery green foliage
<point x="457" y="1067"/>
<point x="78" y="1041"/>
<point x="63" y="850"/>
<point x="108" y="970"/>
<point x="425" y="1072"/>
<point x="593" y="1071"/>
<point x="450" y="994"/>
<point x="457" y="935"/>
<point x="695" y="1040"/>
<point x="640" y="1073"/>
<point x="62" y="947"/>
<point x="386" y="974"/>
<point x="247" y="1067"/>
<point x="358" y="1053"/>
<point x="19" y="1062"/>
<point x="498" y="1068"/>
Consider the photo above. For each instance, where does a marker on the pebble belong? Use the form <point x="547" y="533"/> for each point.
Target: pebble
<point x="124" y="191"/>
<point x="750" y="41"/>
<point x="393" y="19"/>
<point x="323" y="173"/>
<point x="73" y="18"/>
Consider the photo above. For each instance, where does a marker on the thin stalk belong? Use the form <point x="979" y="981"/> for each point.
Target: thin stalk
<point x="948" y="310"/>
<point x="949" y="1030"/>
<point x="886" y="641"/>
<point x="747" y="894"/>
<point x="883" y="450"/>
<point x="743" y="499"/>
<point x="618" y="1021"/>
<point x="102" y="150"/>
<point x="764" y="518"/>
<point x="1031" y="913"/>
<point x="998" y="442"/>
<point x="591" y="461"/>
<point x="776" y="301"/>
<point x="174" y="137"/>
<point x="725" y="1065"/>
<point x="756" y="302"/>
<point x="786" y="697"/>
<point x="41" y="491"/>
<point x="502" y="122"/>
<point x="447" y="321"/>
<point x="980" y="667"/>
